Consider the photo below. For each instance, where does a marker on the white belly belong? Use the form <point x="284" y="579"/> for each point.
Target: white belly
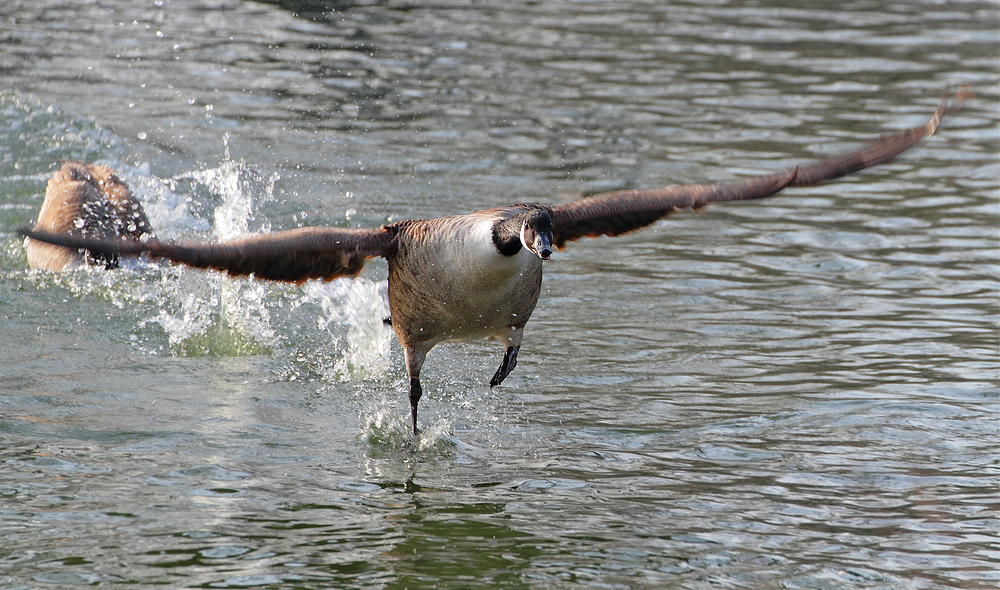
<point x="460" y="287"/>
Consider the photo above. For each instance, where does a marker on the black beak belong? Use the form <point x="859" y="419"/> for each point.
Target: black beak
<point x="543" y="246"/>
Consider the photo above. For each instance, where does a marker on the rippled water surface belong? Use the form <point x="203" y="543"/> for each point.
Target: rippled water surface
<point x="795" y="393"/>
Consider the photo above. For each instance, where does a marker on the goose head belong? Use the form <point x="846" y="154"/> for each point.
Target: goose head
<point x="536" y="233"/>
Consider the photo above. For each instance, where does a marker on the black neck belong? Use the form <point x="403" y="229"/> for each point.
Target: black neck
<point x="507" y="235"/>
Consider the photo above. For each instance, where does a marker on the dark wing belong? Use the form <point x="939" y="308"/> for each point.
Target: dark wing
<point x="615" y="213"/>
<point x="294" y="255"/>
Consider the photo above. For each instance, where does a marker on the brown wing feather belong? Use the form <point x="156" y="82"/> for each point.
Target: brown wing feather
<point x="294" y="255"/>
<point x="615" y="213"/>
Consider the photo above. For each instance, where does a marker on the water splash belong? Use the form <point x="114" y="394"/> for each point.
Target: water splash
<point x="212" y="316"/>
<point x="170" y="210"/>
<point x="200" y="313"/>
<point x="242" y="188"/>
<point x="387" y="429"/>
<point x="352" y="314"/>
<point x="218" y="315"/>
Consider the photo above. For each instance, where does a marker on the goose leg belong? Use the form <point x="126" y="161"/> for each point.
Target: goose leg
<point x="415" y="392"/>
<point x="506" y="366"/>
<point x="415" y="355"/>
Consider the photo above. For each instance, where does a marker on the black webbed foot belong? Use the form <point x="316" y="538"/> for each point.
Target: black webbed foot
<point x="508" y="364"/>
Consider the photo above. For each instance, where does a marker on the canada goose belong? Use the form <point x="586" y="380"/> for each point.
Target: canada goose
<point x="477" y="275"/>
<point x="87" y="201"/>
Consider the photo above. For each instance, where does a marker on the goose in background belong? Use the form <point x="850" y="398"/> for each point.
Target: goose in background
<point x="477" y="275"/>
<point x="86" y="201"/>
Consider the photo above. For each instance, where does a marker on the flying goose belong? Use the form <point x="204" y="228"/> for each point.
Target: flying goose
<point x="476" y="275"/>
<point x="86" y="201"/>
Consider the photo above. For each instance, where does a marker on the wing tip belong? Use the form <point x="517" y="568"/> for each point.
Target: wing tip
<point x="950" y="104"/>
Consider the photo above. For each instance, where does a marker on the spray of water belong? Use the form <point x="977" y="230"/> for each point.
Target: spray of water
<point x="352" y="313"/>
<point x="333" y="332"/>
<point x="218" y="315"/>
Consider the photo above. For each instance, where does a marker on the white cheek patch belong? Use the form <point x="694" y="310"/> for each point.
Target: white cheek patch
<point x="524" y="242"/>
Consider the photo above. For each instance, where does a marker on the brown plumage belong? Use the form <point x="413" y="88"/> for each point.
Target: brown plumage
<point x="87" y="201"/>
<point x="478" y="275"/>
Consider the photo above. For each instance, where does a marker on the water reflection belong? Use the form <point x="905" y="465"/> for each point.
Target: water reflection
<point x="799" y="393"/>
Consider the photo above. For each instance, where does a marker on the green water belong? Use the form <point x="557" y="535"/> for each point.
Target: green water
<point x="794" y="393"/>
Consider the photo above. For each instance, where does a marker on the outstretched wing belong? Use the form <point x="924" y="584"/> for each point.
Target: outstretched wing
<point x="294" y="255"/>
<point x="618" y="212"/>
